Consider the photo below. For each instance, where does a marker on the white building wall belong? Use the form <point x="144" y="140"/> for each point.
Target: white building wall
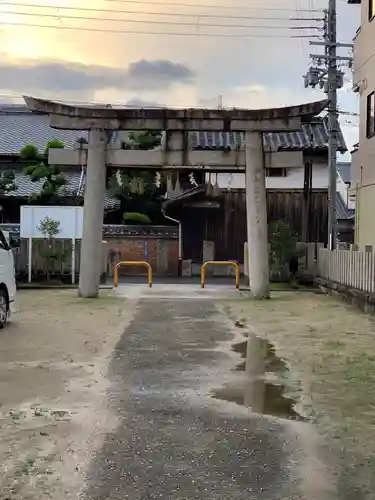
<point x="363" y="160"/>
<point x="294" y="180"/>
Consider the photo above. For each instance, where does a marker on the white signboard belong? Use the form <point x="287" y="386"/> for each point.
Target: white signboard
<point x="70" y="218"/>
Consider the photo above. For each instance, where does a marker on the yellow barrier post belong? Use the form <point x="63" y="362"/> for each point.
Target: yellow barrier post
<point x="132" y="263"/>
<point x="115" y="276"/>
<point x="221" y="263"/>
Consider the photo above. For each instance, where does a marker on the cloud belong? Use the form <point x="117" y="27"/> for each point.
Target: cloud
<point x="158" y="73"/>
<point x="141" y="103"/>
<point x="51" y="77"/>
<point x="256" y="96"/>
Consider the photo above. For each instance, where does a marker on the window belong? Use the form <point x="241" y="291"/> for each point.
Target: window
<point x="371" y="9"/>
<point x="370" y="118"/>
<point x="275" y="172"/>
<point x="3" y="242"/>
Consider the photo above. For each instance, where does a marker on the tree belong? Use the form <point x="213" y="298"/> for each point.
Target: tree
<point x="143" y="140"/>
<point x="48" y="249"/>
<point x="49" y="228"/>
<point x="7" y="182"/>
<point x="136" y="190"/>
<point x="282" y="243"/>
<point x="283" y="247"/>
<point x="40" y="170"/>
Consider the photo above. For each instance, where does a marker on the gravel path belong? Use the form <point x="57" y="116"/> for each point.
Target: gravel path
<point x="173" y="440"/>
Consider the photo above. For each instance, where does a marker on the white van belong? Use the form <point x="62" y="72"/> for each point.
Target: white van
<point x="8" y="288"/>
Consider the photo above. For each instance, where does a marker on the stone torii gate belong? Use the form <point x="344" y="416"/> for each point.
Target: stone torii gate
<point x="176" y="154"/>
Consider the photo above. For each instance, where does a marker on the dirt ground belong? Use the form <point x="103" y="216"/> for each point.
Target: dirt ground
<point x="54" y="356"/>
<point x="329" y="347"/>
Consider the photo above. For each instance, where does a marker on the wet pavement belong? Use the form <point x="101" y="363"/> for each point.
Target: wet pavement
<point x="174" y="440"/>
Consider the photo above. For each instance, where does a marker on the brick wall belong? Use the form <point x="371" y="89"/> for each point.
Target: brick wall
<point x="156" y="244"/>
<point x="162" y="254"/>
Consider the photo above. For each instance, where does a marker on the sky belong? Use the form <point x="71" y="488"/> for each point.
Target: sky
<point x="127" y="55"/>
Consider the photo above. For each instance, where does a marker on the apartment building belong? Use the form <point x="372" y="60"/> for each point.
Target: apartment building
<point x="363" y="156"/>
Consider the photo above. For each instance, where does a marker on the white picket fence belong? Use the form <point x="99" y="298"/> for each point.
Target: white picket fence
<point x="352" y="268"/>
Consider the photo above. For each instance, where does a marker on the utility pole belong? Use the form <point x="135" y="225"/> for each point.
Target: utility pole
<point x="326" y="74"/>
<point x="333" y="123"/>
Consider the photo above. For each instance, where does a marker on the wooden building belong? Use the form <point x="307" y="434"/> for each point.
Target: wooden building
<point x="298" y="195"/>
<point x="221" y="219"/>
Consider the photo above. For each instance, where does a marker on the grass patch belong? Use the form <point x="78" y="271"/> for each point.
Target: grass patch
<point x="329" y="347"/>
<point x="105" y="298"/>
<point x="28" y="467"/>
<point x="69" y="297"/>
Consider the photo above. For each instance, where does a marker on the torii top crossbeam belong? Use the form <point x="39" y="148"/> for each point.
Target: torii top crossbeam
<point x="64" y="116"/>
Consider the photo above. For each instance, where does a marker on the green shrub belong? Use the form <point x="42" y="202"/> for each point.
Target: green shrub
<point x="136" y="218"/>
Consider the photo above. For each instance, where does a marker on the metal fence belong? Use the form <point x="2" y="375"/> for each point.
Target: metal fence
<point x="352" y="268"/>
<point x="59" y="257"/>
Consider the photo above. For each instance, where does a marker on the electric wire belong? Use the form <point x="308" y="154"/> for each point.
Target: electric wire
<point x="216" y="7"/>
<point x="105" y="104"/>
<point x="357" y="68"/>
<point x="167" y="14"/>
<point x="164" y="23"/>
<point x="197" y="34"/>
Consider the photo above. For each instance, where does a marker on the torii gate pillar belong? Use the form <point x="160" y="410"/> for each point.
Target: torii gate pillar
<point x="256" y="212"/>
<point x="91" y="249"/>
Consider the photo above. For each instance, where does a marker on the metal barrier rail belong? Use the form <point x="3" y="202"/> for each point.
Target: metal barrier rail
<point x="220" y="263"/>
<point x="132" y="263"/>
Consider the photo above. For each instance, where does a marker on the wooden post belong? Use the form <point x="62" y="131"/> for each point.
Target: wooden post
<point x="369" y="269"/>
<point x="307" y="186"/>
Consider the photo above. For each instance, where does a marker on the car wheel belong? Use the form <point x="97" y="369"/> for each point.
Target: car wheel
<point x="3" y="309"/>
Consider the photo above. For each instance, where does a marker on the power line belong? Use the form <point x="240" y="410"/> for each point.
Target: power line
<point x="113" y="104"/>
<point x="164" y="23"/>
<point x="91" y="103"/>
<point x="348" y="113"/>
<point x="166" y="33"/>
<point x="103" y="104"/>
<point x="173" y="14"/>
<point x="301" y="39"/>
<point x="357" y="68"/>
<point x="216" y="7"/>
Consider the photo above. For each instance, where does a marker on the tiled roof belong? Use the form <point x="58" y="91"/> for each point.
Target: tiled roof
<point x="26" y="187"/>
<point x="343" y="212"/>
<point x="18" y="127"/>
<point x="313" y="135"/>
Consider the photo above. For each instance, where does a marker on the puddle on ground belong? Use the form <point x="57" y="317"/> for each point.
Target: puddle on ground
<point x="240" y="348"/>
<point x="265" y="349"/>
<point x="254" y="390"/>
